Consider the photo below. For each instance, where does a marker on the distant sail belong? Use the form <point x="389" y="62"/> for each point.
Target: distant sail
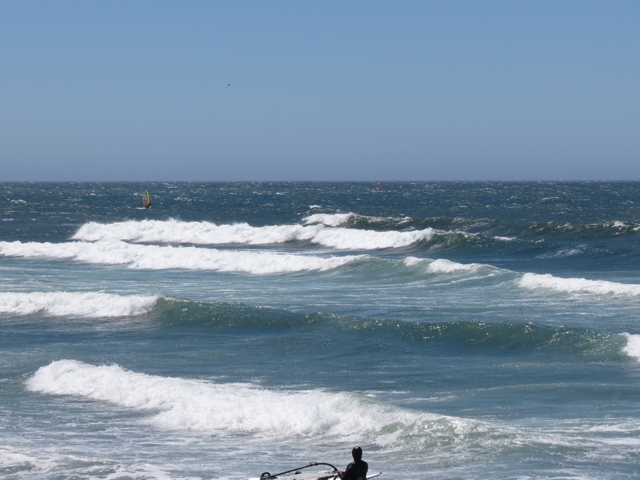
<point x="146" y="199"/>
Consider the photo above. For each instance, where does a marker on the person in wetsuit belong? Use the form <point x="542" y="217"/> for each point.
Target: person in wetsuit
<point x="357" y="469"/>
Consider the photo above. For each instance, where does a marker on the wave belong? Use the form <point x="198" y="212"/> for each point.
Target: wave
<point x="577" y="285"/>
<point x="580" y="231"/>
<point x="199" y="233"/>
<point x="88" y="305"/>
<point x="207" y="233"/>
<point x="155" y="257"/>
<point x="465" y="337"/>
<point x="329" y="219"/>
<point x="171" y="403"/>
<point x="357" y="221"/>
<point x="447" y="266"/>
<point x="442" y="265"/>
<point x="632" y="348"/>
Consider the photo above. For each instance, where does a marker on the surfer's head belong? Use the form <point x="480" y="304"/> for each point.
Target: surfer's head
<point x="357" y="453"/>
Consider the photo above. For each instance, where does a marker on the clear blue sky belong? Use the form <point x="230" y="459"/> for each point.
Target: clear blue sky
<point x="319" y="90"/>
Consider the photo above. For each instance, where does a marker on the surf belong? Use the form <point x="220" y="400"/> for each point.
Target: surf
<point x="172" y="403"/>
<point x="156" y="257"/>
<point x="322" y="232"/>
<point x="75" y="304"/>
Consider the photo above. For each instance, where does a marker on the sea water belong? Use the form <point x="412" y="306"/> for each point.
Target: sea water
<point x="453" y="330"/>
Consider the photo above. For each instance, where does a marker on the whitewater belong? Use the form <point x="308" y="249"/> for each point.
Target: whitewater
<point x="452" y="330"/>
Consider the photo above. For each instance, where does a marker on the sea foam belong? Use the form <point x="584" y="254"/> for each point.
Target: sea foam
<point x="632" y="348"/>
<point x="447" y="266"/>
<point x="199" y="233"/>
<point x="329" y="219"/>
<point x="90" y="305"/>
<point x="239" y="408"/>
<point x="442" y="265"/>
<point x="322" y="232"/>
<point x="578" y="285"/>
<point x="156" y="257"/>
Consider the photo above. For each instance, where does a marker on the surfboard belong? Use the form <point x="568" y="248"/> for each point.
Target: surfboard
<point x="319" y="476"/>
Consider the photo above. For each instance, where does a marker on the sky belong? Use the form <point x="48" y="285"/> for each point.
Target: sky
<point x="319" y="90"/>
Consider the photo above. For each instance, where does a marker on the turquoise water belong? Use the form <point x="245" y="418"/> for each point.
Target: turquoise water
<point x="453" y="330"/>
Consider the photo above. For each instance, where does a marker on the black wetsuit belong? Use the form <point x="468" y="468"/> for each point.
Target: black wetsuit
<point x="355" y="470"/>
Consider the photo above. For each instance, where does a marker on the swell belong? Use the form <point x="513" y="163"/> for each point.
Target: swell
<point x="464" y="337"/>
<point x="578" y="231"/>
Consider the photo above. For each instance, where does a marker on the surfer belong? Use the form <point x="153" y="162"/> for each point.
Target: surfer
<point x="357" y="469"/>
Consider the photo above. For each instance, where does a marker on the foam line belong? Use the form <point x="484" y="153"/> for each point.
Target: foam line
<point x="90" y="305"/>
<point x="578" y="285"/>
<point x="156" y="257"/>
<point x="207" y="233"/>
<point x="180" y="404"/>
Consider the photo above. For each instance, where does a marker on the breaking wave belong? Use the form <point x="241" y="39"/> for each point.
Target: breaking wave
<point x="242" y="408"/>
<point x="154" y="257"/>
<point x="632" y="348"/>
<point x="320" y="229"/>
<point x="578" y="285"/>
<point x="89" y="305"/>
<point x="329" y="219"/>
<point x="442" y="265"/>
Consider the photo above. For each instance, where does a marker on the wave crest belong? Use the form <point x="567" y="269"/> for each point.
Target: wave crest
<point x="89" y="305"/>
<point x="154" y="257"/>
<point x="321" y="229"/>
<point x="180" y="404"/>
<point x="578" y="285"/>
<point x="632" y="348"/>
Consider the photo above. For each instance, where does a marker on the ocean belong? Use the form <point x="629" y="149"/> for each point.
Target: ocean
<point x="453" y="330"/>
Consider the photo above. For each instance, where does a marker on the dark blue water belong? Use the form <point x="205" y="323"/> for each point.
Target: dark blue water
<point x="453" y="330"/>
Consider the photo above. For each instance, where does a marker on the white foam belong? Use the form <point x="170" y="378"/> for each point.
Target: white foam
<point x="353" y="239"/>
<point x="206" y="233"/>
<point x="337" y="219"/>
<point x="10" y="459"/>
<point x="632" y="348"/>
<point x="505" y="239"/>
<point x="180" y="404"/>
<point x="447" y="266"/>
<point x="442" y="265"/>
<point x="91" y="305"/>
<point x="413" y="261"/>
<point x="154" y="257"/>
<point x="200" y="233"/>
<point x="329" y="219"/>
<point x="46" y="464"/>
<point x="578" y="285"/>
